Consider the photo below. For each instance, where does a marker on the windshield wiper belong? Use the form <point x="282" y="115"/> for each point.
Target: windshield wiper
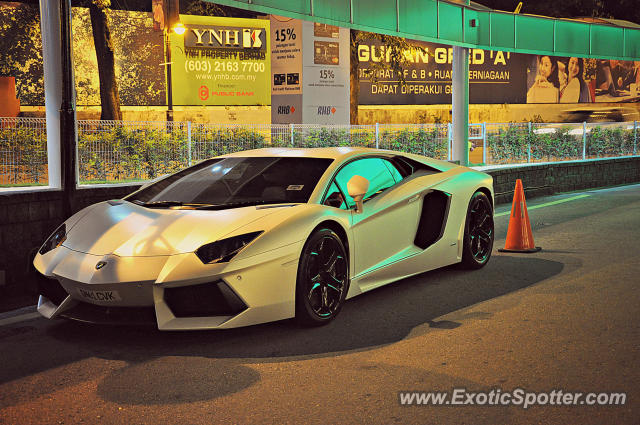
<point x="235" y="204"/>
<point x="194" y="206"/>
<point x="159" y="204"/>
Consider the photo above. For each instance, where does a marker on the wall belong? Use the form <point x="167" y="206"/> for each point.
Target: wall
<point x="26" y="219"/>
<point x="245" y="115"/>
<point x="367" y="114"/>
<point x="549" y="178"/>
<point x="402" y="114"/>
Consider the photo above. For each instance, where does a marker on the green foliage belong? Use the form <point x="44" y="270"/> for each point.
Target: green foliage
<point x="23" y="154"/>
<point x="430" y="141"/>
<point x="515" y="143"/>
<point x="510" y="144"/>
<point x="113" y="152"/>
<point x="138" y="55"/>
<point x="116" y="151"/>
<point x="558" y="145"/>
<point x="21" y="51"/>
<point x="323" y="137"/>
<point x="602" y="142"/>
<point x="214" y="141"/>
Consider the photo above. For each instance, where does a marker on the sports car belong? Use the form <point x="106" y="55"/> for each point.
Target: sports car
<point x="265" y="235"/>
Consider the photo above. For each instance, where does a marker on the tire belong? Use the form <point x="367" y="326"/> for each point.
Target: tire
<point x="478" y="232"/>
<point x="323" y="278"/>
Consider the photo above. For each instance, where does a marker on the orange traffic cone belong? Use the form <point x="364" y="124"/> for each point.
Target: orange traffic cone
<point x="519" y="236"/>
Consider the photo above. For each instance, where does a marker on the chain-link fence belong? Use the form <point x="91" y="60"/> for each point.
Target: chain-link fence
<point x="120" y="151"/>
<point x="23" y="152"/>
<point x="515" y="143"/>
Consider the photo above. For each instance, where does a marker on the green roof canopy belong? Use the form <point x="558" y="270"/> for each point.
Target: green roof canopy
<point x="462" y="25"/>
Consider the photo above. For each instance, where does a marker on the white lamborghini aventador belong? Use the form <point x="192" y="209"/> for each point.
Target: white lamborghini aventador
<point x="264" y="235"/>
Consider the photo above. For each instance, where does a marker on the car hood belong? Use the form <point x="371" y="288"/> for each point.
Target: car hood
<point x="127" y="229"/>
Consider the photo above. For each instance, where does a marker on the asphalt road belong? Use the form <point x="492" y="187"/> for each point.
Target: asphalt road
<point x="565" y="318"/>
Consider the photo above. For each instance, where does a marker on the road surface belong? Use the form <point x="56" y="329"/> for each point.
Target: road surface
<point x="563" y="319"/>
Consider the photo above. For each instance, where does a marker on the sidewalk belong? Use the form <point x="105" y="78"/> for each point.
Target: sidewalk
<point x="14" y="297"/>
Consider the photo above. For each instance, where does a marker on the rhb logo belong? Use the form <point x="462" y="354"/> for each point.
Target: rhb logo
<point x="286" y="110"/>
<point x="326" y="110"/>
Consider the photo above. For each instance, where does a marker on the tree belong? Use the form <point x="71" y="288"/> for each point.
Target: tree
<point x="21" y="50"/>
<point x="109" y="98"/>
<point x="619" y="9"/>
<point x="394" y="47"/>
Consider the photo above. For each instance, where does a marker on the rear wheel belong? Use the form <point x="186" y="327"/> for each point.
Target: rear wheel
<point x="323" y="278"/>
<point x="478" y="232"/>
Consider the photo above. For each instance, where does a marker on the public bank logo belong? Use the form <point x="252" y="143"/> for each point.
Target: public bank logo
<point x="203" y="93"/>
<point x="286" y="110"/>
<point x="326" y="110"/>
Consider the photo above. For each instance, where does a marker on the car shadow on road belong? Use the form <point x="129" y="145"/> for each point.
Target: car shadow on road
<point x="380" y="317"/>
<point x="383" y="316"/>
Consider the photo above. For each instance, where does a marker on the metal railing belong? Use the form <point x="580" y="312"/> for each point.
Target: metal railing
<point x="121" y="151"/>
<point x="23" y="152"/>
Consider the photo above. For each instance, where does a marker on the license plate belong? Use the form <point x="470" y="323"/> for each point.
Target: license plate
<point x="104" y="296"/>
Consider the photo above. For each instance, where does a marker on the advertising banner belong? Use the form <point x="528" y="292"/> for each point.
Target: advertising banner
<point x="556" y="79"/>
<point x="286" y="69"/>
<point x="494" y="76"/>
<point x="326" y="74"/>
<point x="310" y="72"/>
<point x="221" y="61"/>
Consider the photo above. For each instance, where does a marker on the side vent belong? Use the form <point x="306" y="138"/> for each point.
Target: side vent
<point x="433" y="218"/>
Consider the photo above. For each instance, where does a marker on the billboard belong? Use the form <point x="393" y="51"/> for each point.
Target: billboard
<point x="286" y="69"/>
<point x="221" y="61"/>
<point x="494" y="76"/>
<point x="310" y="67"/>
<point x="555" y="79"/>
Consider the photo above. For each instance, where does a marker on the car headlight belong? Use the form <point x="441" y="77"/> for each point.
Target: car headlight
<point x="55" y="240"/>
<point x="224" y="250"/>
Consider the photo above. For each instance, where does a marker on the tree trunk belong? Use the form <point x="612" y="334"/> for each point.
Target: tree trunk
<point x="109" y="98"/>
<point x="354" y="82"/>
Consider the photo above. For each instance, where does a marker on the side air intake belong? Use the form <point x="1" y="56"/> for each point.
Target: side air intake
<point x="433" y="218"/>
<point x="208" y="299"/>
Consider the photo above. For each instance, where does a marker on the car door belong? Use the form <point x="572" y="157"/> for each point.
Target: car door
<point x="385" y="230"/>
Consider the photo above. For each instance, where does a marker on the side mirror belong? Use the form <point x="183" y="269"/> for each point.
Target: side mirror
<point x="357" y="186"/>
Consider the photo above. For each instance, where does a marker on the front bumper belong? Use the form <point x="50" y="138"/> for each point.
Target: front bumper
<point x="174" y="292"/>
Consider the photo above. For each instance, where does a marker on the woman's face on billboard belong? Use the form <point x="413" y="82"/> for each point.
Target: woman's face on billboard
<point x="574" y="67"/>
<point x="545" y="66"/>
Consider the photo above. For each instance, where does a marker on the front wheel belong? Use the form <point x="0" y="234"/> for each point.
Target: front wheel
<point x="478" y="232"/>
<point x="323" y="278"/>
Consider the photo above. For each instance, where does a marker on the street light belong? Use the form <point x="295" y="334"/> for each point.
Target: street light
<point x="179" y="28"/>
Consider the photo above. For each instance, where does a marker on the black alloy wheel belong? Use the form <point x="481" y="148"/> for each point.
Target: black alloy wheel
<point x="323" y="278"/>
<point x="478" y="232"/>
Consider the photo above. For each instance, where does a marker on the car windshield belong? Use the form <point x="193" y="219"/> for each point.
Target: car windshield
<point x="235" y="181"/>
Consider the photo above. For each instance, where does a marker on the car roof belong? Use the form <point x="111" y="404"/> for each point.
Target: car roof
<point x="331" y="152"/>
<point x="340" y="154"/>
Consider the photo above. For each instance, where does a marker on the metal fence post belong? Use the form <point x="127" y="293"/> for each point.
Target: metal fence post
<point x="484" y="143"/>
<point x="529" y="143"/>
<point x="449" y="141"/>
<point x="584" y="140"/>
<point x="377" y="135"/>
<point x="635" y="136"/>
<point x="189" y="143"/>
<point x="291" y="131"/>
